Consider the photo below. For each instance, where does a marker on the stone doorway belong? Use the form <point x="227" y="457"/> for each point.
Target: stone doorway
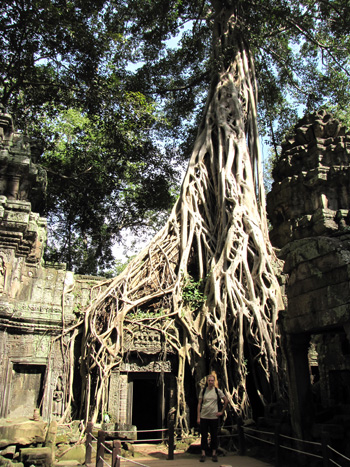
<point x="146" y="392"/>
<point x="26" y="389"/>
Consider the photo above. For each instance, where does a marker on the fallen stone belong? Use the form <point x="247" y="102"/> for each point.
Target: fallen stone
<point x="9" y="463"/>
<point x="9" y="452"/>
<point x="50" y="441"/>
<point x="76" y="453"/>
<point x="21" y="431"/>
<point x="5" y="462"/>
<point x="36" y="456"/>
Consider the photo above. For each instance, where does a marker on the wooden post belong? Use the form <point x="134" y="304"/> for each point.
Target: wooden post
<point x="117" y="449"/>
<point x="101" y="438"/>
<point x="171" y="433"/>
<point x="241" y="439"/>
<point x="277" y="447"/>
<point x="88" y="442"/>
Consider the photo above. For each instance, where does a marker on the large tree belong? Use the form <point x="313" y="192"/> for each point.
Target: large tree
<point x="209" y="273"/>
<point x="57" y="55"/>
<point x="64" y="79"/>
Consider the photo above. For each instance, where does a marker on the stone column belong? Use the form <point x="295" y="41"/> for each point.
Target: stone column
<point x="12" y="188"/>
<point x="113" y="396"/>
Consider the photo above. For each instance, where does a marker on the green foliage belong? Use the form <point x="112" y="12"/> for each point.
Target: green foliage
<point x="193" y="293"/>
<point x="115" y="105"/>
<point x="99" y="186"/>
<point x="118" y="267"/>
<point x="342" y="114"/>
<point x="63" y="78"/>
<point x="139" y="315"/>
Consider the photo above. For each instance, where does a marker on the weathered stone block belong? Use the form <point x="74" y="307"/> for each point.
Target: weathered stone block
<point x="24" y="432"/>
<point x="50" y="440"/>
<point x="9" y="451"/>
<point x="36" y="456"/>
<point x="76" y="453"/>
<point x="8" y="463"/>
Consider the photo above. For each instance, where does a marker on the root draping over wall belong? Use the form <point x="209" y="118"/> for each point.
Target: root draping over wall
<point x="216" y="235"/>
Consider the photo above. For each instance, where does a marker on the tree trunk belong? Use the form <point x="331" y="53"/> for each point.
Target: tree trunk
<point x="216" y="234"/>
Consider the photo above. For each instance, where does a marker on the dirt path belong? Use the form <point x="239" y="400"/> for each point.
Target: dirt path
<point x="156" y="456"/>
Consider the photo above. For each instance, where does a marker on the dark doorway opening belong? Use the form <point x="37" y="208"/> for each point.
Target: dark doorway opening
<point x="26" y="389"/>
<point x="147" y="403"/>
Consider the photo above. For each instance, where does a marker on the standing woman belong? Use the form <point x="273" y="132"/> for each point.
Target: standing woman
<point x="208" y="416"/>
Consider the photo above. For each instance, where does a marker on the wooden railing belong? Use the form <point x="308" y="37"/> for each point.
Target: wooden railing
<point x="319" y="451"/>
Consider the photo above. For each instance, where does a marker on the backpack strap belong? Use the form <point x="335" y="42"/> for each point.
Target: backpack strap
<point x="205" y="387"/>
<point x="219" y="399"/>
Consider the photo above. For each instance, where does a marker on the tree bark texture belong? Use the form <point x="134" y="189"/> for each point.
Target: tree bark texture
<point x="216" y="234"/>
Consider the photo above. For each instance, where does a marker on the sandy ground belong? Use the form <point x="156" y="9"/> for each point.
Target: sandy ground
<point x="157" y="456"/>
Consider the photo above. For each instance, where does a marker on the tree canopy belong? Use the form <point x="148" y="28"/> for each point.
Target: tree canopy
<point x="69" y="64"/>
<point x="64" y="80"/>
<point x="300" y="49"/>
<point x="216" y="235"/>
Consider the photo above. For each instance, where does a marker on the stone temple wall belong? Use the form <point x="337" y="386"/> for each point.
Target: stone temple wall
<point x="309" y="212"/>
<point x="310" y="195"/>
<point x="36" y="301"/>
<point x="39" y="301"/>
<point x="308" y="207"/>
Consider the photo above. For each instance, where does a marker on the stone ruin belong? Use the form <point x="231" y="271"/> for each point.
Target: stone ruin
<point x="37" y="301"/>
<point x="309" y="209"/>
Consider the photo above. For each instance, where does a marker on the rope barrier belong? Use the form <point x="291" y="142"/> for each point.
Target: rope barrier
<point x="335" y="463"/>
<point x="106" y="448"/>
<point x="259" y="431"/>
<point x="260" y="439"/>
<point x="245" y="430"/>
<point x="301" y="452"/>
<point x="284" y="447"/>
<point x="92" y="447"/>
<point x="132" y="462"/>
<point x="231" y="435"/>
<point x="148" y="431"/>
<point x="105" y="462"/>
<point x="338" y="453"/>
<point x="301" y="440"/>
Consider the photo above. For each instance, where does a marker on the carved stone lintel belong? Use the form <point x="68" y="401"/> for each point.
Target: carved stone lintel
<point x="153" y="367"/>
<point x="142" y="339"/>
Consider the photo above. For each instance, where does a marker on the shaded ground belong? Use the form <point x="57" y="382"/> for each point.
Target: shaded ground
<point x="154" y="455"/>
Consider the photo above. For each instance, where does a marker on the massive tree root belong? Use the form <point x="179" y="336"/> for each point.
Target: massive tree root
<point x="216" y="235"/>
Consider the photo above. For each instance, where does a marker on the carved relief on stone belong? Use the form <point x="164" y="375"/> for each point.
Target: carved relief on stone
<point x="6" y="129"/>
<point x="18" y="172"/>
<point x="153" y="366"/>
<point x="57" y="399"/>
<point x="2" y="274"/>
<point x="143" y="338"/>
